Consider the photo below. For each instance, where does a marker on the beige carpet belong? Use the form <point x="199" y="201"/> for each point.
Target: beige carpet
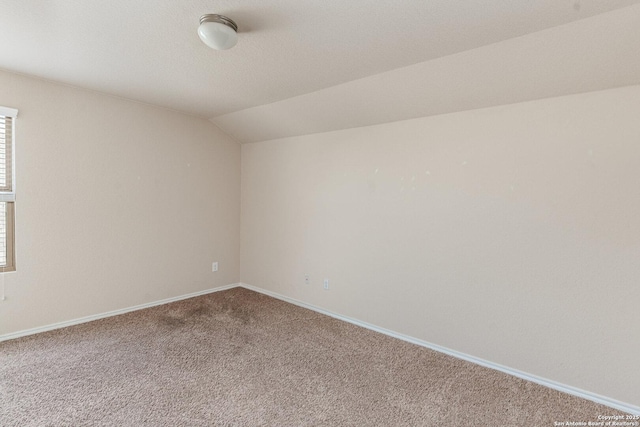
<point x="239" y="358"/>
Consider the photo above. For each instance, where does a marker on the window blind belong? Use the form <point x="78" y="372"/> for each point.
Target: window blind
<point x="6" y="155"/>
<point x="3" y="234"/>
<point x="7" y="192"/>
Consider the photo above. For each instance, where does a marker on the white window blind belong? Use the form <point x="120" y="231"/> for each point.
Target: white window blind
<point x="3" y="233"/>
<point x="7" y="190"/>
<point x="6" y="138"/>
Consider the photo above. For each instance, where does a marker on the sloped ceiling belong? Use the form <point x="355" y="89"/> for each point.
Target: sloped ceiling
<point x="298" y="56"/>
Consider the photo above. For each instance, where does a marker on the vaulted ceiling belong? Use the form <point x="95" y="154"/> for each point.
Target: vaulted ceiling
<point x="148" y="50"/>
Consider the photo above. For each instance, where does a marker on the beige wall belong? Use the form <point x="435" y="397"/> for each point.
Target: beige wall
<point x="118" y="204"/>
<point x="509" y="233"/>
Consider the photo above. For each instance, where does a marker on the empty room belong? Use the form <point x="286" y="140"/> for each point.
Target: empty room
<point x="320" y="213"/>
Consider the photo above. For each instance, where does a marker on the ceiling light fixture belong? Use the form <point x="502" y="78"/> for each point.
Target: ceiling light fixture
<point x="218" y="32"/>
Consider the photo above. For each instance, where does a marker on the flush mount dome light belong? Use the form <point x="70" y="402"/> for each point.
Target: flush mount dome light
<point x="218" y="32"/>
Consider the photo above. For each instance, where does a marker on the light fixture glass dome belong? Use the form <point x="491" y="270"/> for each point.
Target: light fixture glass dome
<point x="218" y="32"/>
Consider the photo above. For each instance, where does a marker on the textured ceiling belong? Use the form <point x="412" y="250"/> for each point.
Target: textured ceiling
<point x="596" y="53"/>
<point x="148" y="50"/>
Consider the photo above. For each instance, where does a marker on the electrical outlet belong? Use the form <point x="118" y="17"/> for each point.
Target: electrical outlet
<point x="326" y="284"/>
<point x="214" y="266"/>
<point x="306" y="279"/>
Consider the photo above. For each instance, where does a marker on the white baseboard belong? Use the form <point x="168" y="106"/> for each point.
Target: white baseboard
<point x="85" y="319"/>
<point x="612" y="403"/>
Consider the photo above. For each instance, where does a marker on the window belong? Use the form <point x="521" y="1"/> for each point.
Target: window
<point x="7" y="189"/>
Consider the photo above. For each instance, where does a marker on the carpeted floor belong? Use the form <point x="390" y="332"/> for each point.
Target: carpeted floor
<point x="239" y="358"/>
